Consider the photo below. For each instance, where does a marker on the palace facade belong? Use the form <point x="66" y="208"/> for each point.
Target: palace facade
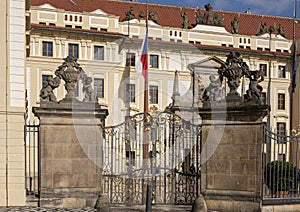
<point x="106" y="37"/>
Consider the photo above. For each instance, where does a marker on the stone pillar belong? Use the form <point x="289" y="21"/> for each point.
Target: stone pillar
<point x="231" y="178"/>
<point x="70" y="153"/>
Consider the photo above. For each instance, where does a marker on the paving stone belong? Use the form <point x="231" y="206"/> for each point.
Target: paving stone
<point x="35" y="209"/>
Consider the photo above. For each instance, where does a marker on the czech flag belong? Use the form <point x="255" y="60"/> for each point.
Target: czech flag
<point x="142" y="63"/>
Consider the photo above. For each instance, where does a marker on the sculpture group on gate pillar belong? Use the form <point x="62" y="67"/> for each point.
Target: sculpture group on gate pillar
<point x="233" y="70"/>
<point x="71" y="72"/>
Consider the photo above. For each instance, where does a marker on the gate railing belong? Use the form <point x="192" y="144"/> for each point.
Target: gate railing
<point x="280" y="163"/>
<point x="32" y="159"/>
<point x="160" y="150"/>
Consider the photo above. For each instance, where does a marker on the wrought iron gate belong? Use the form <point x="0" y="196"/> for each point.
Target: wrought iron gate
<point x="161" y="150"/>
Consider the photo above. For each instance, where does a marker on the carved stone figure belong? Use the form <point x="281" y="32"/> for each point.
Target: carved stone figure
<point x="69" y="71"/>
<point x="142" y="15"/>
<point x="185" y="20"/>
<point x="46" y="93"/>
<point x="87" y="89"/>
<point x="235" y="25"/>
<point x="255" y="89"/>
<point x="209" y="17"/>
<point x="271" y="29"/>
<point x="199" y="17"/>
<point x="263" y="28"/>
<point x="214" y="92"/>
<point x="217" y="19"/>
<point x="129" y="15"/>
<point x="233" y="70"/>
<point x="280" y="30"/>
<point x="153" y="16"/>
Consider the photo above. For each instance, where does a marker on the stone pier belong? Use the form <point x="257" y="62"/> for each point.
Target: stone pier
<point x="231" y="178"/>
<point x="70" y="153"/>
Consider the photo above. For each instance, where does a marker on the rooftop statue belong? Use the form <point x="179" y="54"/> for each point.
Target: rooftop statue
<point x="185" y="20"/>
<point x="235" y="25"/>
<point x="280" y="30"/>
<point x="209" y="17"/>
<point x="129" y="15"/>
<point x="153" y="17"/>
<point x="263" y="28"/>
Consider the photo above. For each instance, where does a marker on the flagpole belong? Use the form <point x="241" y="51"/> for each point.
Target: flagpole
<point x="146" y="98"/>
<point x="147" y="188"/>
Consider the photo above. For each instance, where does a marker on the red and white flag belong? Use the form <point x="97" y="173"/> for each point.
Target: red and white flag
<point x="142" y="63"/>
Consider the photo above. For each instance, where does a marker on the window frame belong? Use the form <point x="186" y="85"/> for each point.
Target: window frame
<point x="71" y="51"/>
<point x="47" y="49"/>
<point x="153" y="61"/>
<point x="44" y="79"/>
<point x="130" y="92"/>
<point x="281" y="101"/>
<point x="281" y="74"/>
<point x="153" y="94"/>
<point x="281" y="130"/>
<point x="263" y="98"/>
<point x="265" y="70"/>
<point x="99" y="54"/>
<point x="99" y="88"/>
<point x="130" y="59"/>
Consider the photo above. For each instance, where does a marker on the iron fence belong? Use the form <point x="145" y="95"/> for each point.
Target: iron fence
<point x="280" y="162"/>
<point x="32" y="159"/>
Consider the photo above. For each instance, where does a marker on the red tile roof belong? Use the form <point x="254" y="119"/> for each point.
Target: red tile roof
<point x="171" y="15"/>
<point x="43" y="26"/>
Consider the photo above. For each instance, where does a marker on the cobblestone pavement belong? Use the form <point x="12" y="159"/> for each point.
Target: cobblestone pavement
<point x="112" y="209"/>
<point x="33" y="209"/>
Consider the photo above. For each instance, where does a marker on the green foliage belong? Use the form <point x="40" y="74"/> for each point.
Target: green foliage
<point x="280" y="176"/>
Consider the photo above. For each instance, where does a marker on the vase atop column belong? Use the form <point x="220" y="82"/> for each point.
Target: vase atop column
<point x="70" y="71"/>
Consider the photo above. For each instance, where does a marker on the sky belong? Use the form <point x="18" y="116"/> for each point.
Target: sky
<point x="265" y="7"/>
